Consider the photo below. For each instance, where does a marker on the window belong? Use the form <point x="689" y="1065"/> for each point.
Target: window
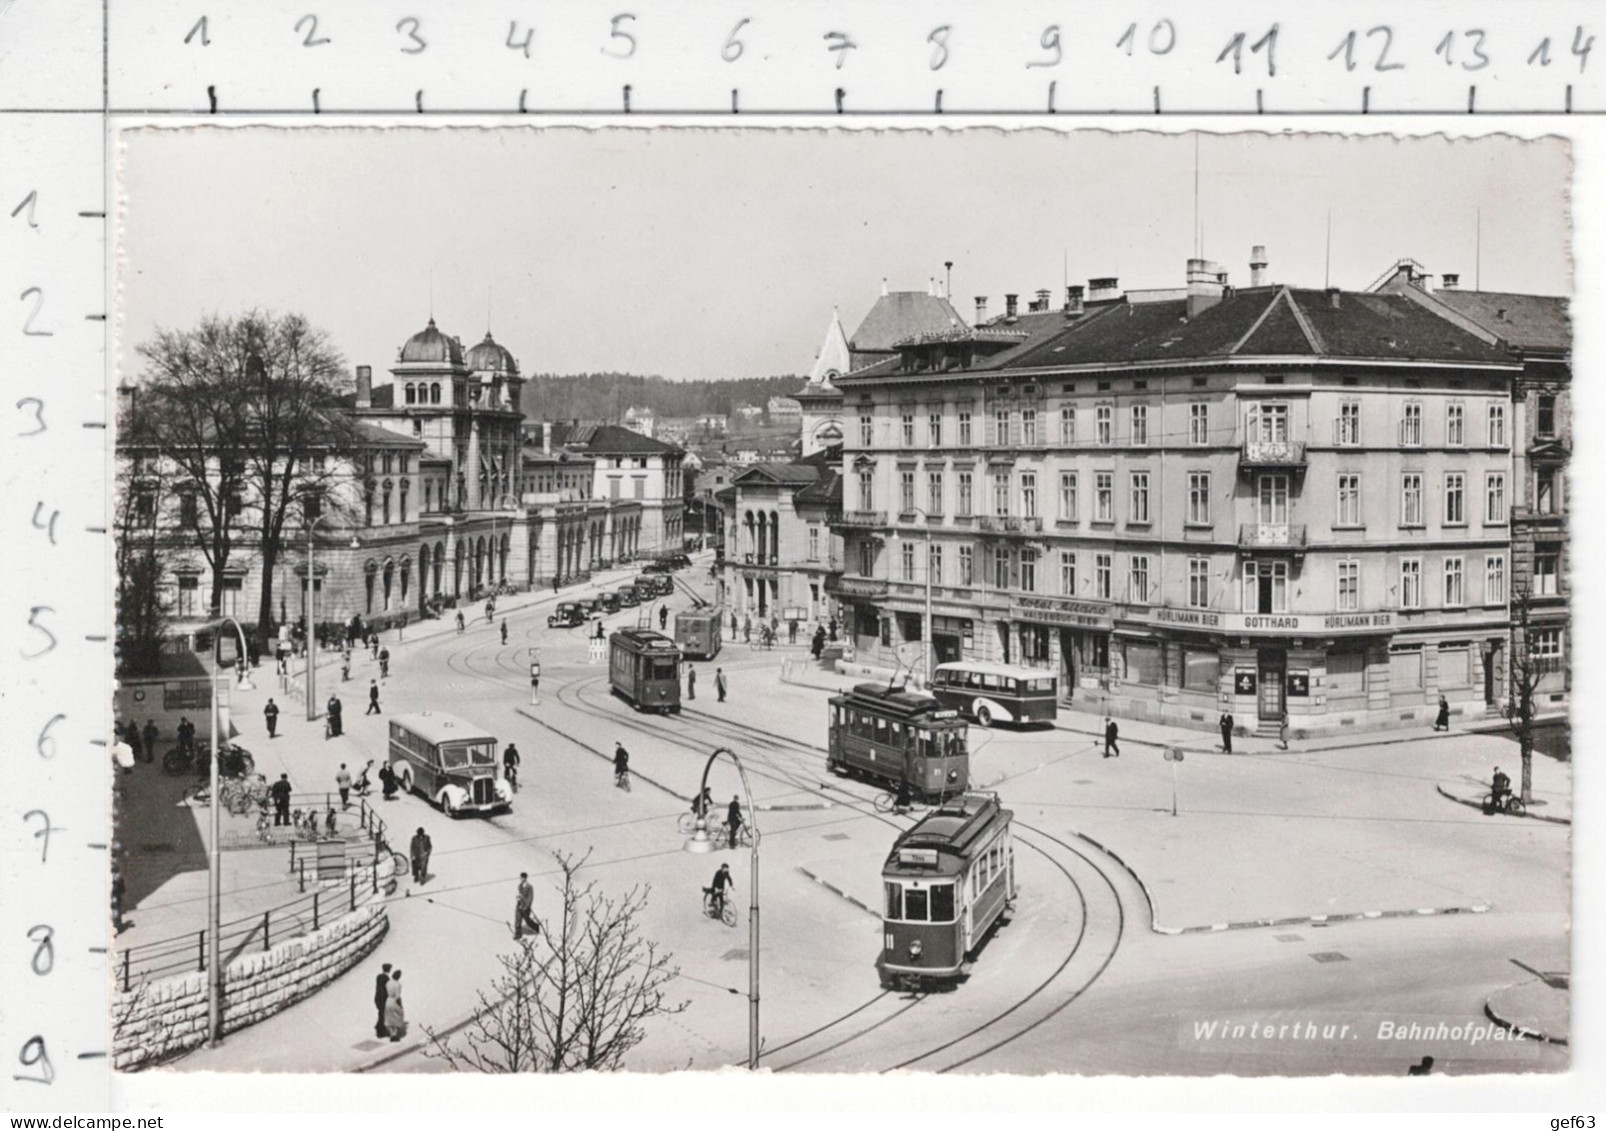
<point x="188" y="587"/>
<point x="1454" y="582"/>
<point x="1545" y="415"/>
<point x="866" y="490"/>
<point x="1198" y="423"/>
<point x="964" y="429"/>
<point x="814" y="543"/>
<point x="1068" y="425"/>
<point x="1104" y="424"/>
<point x="1028" y="427"/>
<point x="964" y="493"/>
<point x="1497" y="425"/>
<point x="1028" y="494"/>
<point x="1068" y="573"/>
<point x="1198" y="498"/>
<point x="188" y="511"/>
<point x="1411" y="583"/>
<point x="1140" y="425"/>
<point x="1547" y="564"/>
<point x="1028" y="570"/>
<point x="1545" y="490"/>
<point x="1545" y="647"/>
<point x="1411" y="425"/>
<point x="1268" y="423"/>
<point x="1001" y="493"/>
<point x="1346" y="673"/>
<point x="1349" y="499"/>
<point x="908" y="556"/>
<point x="1001" y="566"/>
<point x="1201" y="670"/>
<point x="1140" y="498"/>
<point x="908" y="422"/>
<point x="1199" y="583"/>
<point x="1103" y="496"/>
<point x="1405" y="669"/>
<point x="1265" y="587"/>
<point x="1103" y="567"/>
<point x="1494" y="498"/>
<point x="1455" y="499"/>
<point x="866" y="430"/>
<point x="934" y="492"/>
<point x="1001" y="427"/>
<point x="967" y="565"/>
<point x="1494" y="579"/>
<point x="1349" y="586"/>
<point x="1455" y="425"/>
<point x="1272" y="499"/>
<point x="1067" y="496"/>
<point x="934" y="564"/>
<point x="1411" y="499"/>
<point x="232" y="587"/>
<point x="934" y="429"/>
<point x="1349" y="423"/>
<point x="906" y="489"/>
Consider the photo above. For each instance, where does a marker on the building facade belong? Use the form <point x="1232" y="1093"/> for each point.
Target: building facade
<point x="1259" y="501"/>
<point x="628" y="467"/>
<point x="781" y="549"/>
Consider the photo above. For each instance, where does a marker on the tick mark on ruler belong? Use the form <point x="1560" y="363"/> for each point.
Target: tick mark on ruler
<point x="92" y="1056"/>
<point x="97" y="950"/>
<point x="939" y="100"/>
<point x="95" y="638"/>
<point x="94" y="530"/>
<point x="1472" y="100"/>
<point x="94" y="424"/>
<point x="316" y="108"/>
<point x="93" y="215"/>
<point x="1156" y="100"/>
<point x="100" y="847"/>
<point x="211" y="98"/>
<point x="94" y="318"/>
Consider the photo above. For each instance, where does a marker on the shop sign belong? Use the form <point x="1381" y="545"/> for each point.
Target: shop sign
<point x="1077" y="614"/>
<point x="1186" y="618"/>
<point x="1310" y="624"/>
<point x="1244" y="681"/>
<point x="1298" y="684"/>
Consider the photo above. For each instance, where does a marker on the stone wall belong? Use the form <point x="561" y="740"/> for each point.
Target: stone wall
<point x="156" y="1019"/>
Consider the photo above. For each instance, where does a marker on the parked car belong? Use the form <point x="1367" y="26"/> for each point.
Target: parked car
<point x="607" y="602"/>
<point x="628" y="597"/>
<point x="567" y="615"/>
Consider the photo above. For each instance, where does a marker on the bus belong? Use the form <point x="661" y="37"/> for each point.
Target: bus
<point x="997" y="693"/>
<point x="448" y="761"/>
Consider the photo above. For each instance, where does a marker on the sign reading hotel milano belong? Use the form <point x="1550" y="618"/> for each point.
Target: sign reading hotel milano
<point x="1312" y="624"/>
<point x="1051" y="610"/>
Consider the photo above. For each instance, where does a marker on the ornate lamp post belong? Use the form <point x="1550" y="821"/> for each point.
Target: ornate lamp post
<point x="214" y="902"/>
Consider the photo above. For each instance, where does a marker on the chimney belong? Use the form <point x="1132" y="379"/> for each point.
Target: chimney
<point x="1010" y="305"/>
<point x="1451" y="280"/>
<point x="1257" y="266"/>
<point x="546" y="437"/>
<point x="1106" y="289"/>
<point x="365" y="386"/>
<point x="1042" y="300"/>
<point x="1332" y="297"/>
<point x="1206" y="282"/>
<point x="981" y="309"/>
<point x="1073" y="301"/>
<point x="883" y="286"/>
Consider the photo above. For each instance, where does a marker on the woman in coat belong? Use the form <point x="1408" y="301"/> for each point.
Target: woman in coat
<point x="395" y="1012"/>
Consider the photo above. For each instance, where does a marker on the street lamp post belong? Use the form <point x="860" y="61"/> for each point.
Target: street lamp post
<point x="214" y="912"/>
<point x="699" y="843"/>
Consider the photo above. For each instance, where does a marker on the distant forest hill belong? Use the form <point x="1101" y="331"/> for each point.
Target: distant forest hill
<point x="606" y="396"/>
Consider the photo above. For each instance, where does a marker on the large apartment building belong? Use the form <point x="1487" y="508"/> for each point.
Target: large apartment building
<point x="1263" y="500"/>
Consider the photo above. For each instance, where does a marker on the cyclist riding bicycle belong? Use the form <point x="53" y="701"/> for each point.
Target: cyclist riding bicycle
<point x="621" y="763"/>
<point x="702" y="804"/>
<point x="716" y="890"/>
<point x="1501" y="789"/>
<point x="510" y="765"/>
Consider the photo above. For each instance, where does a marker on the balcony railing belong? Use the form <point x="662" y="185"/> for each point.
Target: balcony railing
<point x="1272" y="535"/>
<point x="1272" y="453"/>
<point x="1009" y="524"/>
<point x="862" y="519"/>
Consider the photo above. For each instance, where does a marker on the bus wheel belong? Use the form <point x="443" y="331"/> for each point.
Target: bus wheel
<point x="447" y="807"/>
<point x="984" y="717"/>
<point x="407" y="781"/>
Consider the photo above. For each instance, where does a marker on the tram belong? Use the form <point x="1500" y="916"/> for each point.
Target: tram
<point x="901" y="738"/>
<point x="699" y="632"/>
<point x="947" y="881"/>
<point x="644" y="669"/>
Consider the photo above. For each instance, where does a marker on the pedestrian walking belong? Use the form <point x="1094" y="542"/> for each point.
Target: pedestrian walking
<point x="817" y="645"/>
<point x="734" y="626"/>
<point x="490" y="610"/>
<point x="1282" y="731"/>
<point x="719" y="683"/>
<point x="333" y="708"/>
<point x="345" y="666"/>
<point x="522" y="912"/>
<point x="733" y="818"/>
<point x="791" y="632"/>
<point x="1226" y="732"/>
<point x="343" y="784"/>
<point x="381" y="995"/>
<point x="384" y="663"/>
<point x="281" y="658"/>
<point x="373" y="698"/>
<point x="281" y="800"/>
<point x="419" y="850"/>
<point x="663" y="617"/>
<point x="271" y="714"/>
<point x="459" y="620"/>
<point x="395" y="1012"/>
<point x="1111" y="733"/>
<point x="747" y="630"/>
<point x="373" y="645"/>
<point x="150" y="734"/>
<point x="833" y="630"/>
<point x="691" y="682"/>
<point x="504" y="630"/>
<point x="1443" y="720"/>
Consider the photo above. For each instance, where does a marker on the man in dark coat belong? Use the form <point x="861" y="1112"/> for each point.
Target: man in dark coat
<point x="373" y="698"/>
<point x="663" y="617"/>
<point x="271" y="714"/>
<point x="817" y="645"/>
<point x="1111" y="733"/>
<point x="150" y="734"/>
<point x="523" y="915"/>
<point x="833" y="629"/>
<point x="691" y="682"/>
<point x="419" y="851"/>
<point x="1226" y="731"/>
<point x="281" y="800"/>
<point x="333" y="707"/>
<point x="381" y="992"/>
<point x="733" y="818"/>
<point x="1443" y="720"/>
<point x="719" y="683"/>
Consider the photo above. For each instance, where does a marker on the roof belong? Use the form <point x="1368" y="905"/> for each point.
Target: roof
<point x="373" y="434"/>
<point x="951" y="830"/>
<point x="899" y="315"/>
<point x="608" y="439"/>
<point x="1526" y="321"/>
<point x="832" y="360"/>
<point x="827" y="490"/>
<point x="1009" y="670"/>
<point x="489" y="357"/>
<point x="440" y="726"/>
<point x="430" y="345"/>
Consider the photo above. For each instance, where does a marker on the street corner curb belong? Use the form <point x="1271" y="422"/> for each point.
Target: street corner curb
<point x="1478" y="805"/>
<point x="1148" y="896"/>
<point x="1511" y="1026"/>
<point x="1323" y="920"/>
<point x="834" y="890"/>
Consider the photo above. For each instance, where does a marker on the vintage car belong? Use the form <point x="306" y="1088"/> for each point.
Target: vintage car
<point x="607" y="603"/>
<point x="628" y="597"/>
<point x="568" y="614"/>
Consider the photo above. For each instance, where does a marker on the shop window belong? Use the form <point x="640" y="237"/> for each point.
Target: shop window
<point x="1405" y="670"/>
<point x="1201" y="670"/>
<point x="1455" y="666"/>
<point x="1143" y="664"/>
<point x="1346" y="673"/>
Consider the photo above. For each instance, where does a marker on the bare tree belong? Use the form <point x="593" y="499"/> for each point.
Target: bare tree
<point x="576" y="997"/>
<point x="1528" y="669"/>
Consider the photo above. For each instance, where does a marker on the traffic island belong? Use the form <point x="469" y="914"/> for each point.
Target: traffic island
<point x="1537" y="1009"/>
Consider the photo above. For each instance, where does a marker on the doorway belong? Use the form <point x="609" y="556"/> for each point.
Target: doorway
<point x="1272" y="664"/>
<point x="946" y="646"/>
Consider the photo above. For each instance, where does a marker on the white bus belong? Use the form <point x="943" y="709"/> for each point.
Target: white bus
<point x="449" y="761"/>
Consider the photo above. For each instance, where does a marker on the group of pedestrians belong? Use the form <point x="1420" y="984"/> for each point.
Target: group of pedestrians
<point x="721" y="687"/>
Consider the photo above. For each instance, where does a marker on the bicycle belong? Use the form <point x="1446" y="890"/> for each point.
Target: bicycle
<point x="716" y="906"/>
<point x="1512" y="805"/>
<point x="687" y="824"/>
<point x="722" y="835"/>
<point x="889" y="803"/>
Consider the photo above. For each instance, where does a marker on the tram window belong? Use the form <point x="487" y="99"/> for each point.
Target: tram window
<point x="894" y="901"/>
<point x="663" y="669"/>
<point x="881" y="731"/>
<point x="956" y="744"/>
<point x="923" y="743"/>
<point x="897" y="733"/>
<point x="862" y="727"/>
<point x="915" y="906"/>
<point x="942" y="903"/>
<point x="482" y="754"/>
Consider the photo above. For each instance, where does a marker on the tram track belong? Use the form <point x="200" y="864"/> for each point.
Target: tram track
<point x="799" y="764"/>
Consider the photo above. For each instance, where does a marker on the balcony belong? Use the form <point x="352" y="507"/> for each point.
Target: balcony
<point x="1263" y="455"/>
<point x="862" y="520"/>
<point x="1264" y="536"/>
<point x="856" y="588"/>
<point x="1008" y="524"/>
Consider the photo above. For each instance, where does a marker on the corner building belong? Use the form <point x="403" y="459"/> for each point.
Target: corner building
<point x="1264" y="500"/>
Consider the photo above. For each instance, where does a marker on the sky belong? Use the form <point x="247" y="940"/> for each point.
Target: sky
<point x="704" y="253"/>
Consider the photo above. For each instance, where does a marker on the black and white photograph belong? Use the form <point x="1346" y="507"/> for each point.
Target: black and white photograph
<point x="841" y="600"/>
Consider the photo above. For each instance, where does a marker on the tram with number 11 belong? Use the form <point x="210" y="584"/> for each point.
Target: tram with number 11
<point x="901" y="738"/>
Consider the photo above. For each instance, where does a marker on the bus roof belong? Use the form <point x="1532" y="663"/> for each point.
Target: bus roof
<point x="437" y="727"/>
<point x="998" y="669"/>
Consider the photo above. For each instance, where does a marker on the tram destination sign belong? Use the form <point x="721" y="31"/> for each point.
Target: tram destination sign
<point x="1309" y="624"/>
